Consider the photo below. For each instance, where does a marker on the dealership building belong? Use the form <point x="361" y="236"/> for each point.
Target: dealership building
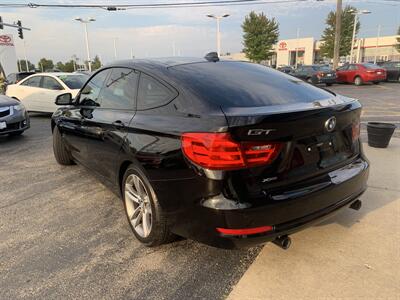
<point x="307" y="51"/>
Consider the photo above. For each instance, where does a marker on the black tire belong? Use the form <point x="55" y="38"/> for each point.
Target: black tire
<point x="358" y="81"/>
<point x="309" y="80"/>
<point x="16" y="133"/>
<point x="159" y="233"/>
<point x="376" y="82"/>
<point x="328" y="84"/>
<point x="61" y="154"/>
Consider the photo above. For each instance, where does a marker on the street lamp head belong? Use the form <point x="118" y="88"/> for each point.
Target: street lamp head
<point x="92" y="19"/>
<point x="211" y="16"/>
<point x="226" y="15"/>
<point x="359" y="12"/>
<point x="78" y="19"/>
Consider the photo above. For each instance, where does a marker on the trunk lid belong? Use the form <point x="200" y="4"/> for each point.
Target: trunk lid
<point x="314" y="140"/>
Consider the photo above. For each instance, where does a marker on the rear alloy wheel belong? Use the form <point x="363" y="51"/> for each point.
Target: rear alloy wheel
<point x="145" y="216"/>
<point x="358" y="81"/>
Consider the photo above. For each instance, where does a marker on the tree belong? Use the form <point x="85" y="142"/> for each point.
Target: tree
<point x="96" y="63"/>
<point x="46" y="64"/>
<point x="260" y="34"/>
<point x="328" y="36"/>
<point x="398" y="40"/>
<point x="60" y="66"/>
<point x="22" y="63"/>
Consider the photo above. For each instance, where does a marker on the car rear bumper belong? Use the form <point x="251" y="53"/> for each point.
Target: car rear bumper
<point x="375" y="78"/>
<point x="327" y="80"/>
<point x="284" y="215"/>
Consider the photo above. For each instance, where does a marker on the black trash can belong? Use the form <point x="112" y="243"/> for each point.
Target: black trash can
<point x="379" y="134"/>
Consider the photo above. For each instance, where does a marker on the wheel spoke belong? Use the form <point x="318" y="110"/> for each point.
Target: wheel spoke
<point x="131" y="194"/>
<point x="137" y="221"/>
<point x="135" y="214"/>
<point x="146" y="223"/>
<point x="138" y="186"/>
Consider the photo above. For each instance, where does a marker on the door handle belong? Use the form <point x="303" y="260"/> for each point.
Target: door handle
<point x="118" y="124"/>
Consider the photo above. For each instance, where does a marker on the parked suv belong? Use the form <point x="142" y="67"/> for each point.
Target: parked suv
<point x="360" y="73"/>
<point x="392" y="70"/>
<point x="315" y="74"/>
<point x="14" y="78"/>
<point x="228" y="153"/>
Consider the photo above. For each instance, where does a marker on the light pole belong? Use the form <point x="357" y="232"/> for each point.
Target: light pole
<point x="377" y="44"/>
<point x="218" y="18"/>
<point x="85" y="22"/>
<point x="356" y="13"/>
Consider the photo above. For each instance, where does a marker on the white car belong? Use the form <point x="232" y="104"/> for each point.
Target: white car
<point x="38" y="92"/>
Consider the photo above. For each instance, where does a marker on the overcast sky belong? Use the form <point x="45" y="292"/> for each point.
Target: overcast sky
<point x="152" y="32"/>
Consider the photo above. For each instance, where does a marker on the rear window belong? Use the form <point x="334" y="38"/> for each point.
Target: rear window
<point x="322" y="68"/>
<point x="74" y="82"/>
<point x="240" y="84"/>
<point x="371" y="66"/>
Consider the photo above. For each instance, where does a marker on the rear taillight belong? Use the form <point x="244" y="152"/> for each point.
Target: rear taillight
<point x="218" y="151"/>
<point x="355" y="130"/>
<point x="320" y="74"/>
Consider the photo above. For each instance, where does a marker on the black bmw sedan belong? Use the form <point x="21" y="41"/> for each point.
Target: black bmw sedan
<point x="227" y="153"/>
<point x="14" y="119"/>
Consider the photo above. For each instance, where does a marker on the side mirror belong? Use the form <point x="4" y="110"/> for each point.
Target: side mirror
<point x="64" y="99"/>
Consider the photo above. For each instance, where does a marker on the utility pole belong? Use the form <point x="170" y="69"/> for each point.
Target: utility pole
<point x="377" y="43"/>
<point x="338" y="31"/>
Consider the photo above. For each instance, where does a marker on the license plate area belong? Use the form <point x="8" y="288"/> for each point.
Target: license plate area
<point x="3" y="125"/>
<point x="326" y="150"/>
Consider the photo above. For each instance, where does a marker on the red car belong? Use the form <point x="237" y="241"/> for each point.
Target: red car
<point x="360" y="73"/>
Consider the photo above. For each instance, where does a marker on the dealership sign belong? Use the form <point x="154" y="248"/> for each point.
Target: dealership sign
<point x="6" y="40"/>
<point x="282" y="46"/>
<point x="8" y="56"/>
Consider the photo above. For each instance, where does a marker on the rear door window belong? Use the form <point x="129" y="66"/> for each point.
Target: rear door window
<point x="50" y="83"/>
<point x="153" y="93"/>
<point x="33" y="81"/>
<point x="119" y="92"/>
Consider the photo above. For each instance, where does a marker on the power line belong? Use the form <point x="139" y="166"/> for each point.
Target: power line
<point x="113" y="7"/>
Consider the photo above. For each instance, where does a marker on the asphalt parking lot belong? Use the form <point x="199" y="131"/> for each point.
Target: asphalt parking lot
<point x="64" y="235"/>
<point x="381" y="103"/>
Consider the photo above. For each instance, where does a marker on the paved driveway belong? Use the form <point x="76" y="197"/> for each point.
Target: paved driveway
<point x="64" y="235"/>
